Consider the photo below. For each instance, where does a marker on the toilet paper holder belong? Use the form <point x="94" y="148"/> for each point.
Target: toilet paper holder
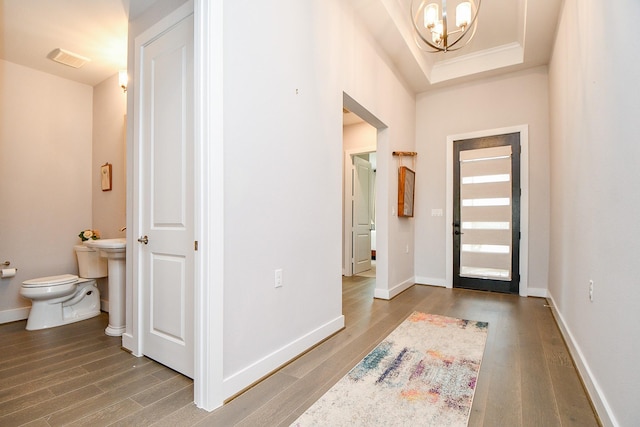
<point x="6" y="272"/>
<point x="6" y="264"/>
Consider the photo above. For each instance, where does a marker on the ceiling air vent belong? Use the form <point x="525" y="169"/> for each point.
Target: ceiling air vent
<point x="68" y="58"/>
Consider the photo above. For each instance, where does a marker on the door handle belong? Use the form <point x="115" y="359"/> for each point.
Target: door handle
<point x="143" y="239"/>
<point x="457" y="233"/>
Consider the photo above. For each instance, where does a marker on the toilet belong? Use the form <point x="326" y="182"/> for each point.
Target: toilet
<point x="67" y="298"/>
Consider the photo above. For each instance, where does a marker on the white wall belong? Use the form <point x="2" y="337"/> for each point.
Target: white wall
<point x="109" y="207"/>
<point x="109" y="114"/>
<point x="287" y="64"/>
<point x="359" y="136"/>
<point x="514" y="99"/>
<point x="45" y="177"/>
<point x="595" y="233"/>
<point x="376" y="87"/>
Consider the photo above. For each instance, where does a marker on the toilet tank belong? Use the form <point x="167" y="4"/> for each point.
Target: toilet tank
<point x="90" y="264"/>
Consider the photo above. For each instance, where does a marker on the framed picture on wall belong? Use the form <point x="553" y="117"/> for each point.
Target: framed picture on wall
<point x="406" y="189"/>
<point x="105" y="176"/>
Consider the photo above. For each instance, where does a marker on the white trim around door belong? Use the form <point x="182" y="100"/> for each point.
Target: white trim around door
<point x="524" y="200"/>
<point x="208" y="385"/>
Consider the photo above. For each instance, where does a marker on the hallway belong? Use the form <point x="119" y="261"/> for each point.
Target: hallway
<point x="75" y="375"/>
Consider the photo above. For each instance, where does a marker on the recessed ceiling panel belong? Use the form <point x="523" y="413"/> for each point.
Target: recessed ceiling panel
<point x="511" y="35"/>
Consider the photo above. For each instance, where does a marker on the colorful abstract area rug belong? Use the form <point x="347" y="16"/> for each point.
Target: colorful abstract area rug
<point x="423" y="374"/>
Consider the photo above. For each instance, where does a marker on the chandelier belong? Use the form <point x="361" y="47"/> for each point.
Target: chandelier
<point x="433" y="24"/>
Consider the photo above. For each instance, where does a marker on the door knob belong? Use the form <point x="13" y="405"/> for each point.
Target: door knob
<point x="144" y="240"/>
<point x="457" y="233"/>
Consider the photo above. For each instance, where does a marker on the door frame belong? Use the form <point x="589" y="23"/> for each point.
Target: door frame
<point x="208" y="382"/>
<point x="523" y="130"/>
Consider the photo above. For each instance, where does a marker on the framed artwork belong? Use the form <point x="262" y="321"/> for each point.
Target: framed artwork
<point x="105" y="176"/>
<point x="406" y="189"/>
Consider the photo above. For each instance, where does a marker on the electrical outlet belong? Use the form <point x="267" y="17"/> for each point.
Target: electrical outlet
<point x="591" y="290"/>
<point x="406" y="250"/>
<point x="278" y="278"/>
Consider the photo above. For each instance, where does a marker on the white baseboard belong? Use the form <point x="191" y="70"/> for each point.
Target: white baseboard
<point x="390" y="293"/>
<point x="593" y="388"/>
<point x="432" y="281"/>
<point x="13" y="315"/>
<point x="268" y="364"/>
<point x="537" y="292"/>
<point x="129" y="343"/>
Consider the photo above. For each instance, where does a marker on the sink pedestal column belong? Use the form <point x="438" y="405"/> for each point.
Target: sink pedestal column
<point x="117" y="280"/>
<point x="115" y="251"/>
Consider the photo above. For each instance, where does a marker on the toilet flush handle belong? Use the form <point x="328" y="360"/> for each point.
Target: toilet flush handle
<point x="144" y="240"/>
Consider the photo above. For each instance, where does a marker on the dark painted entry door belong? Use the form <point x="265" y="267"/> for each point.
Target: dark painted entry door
<point x="486" y="213"/>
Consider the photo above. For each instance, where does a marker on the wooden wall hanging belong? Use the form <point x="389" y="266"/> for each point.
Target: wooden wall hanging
<point x="406" y="185"/>
<point x="105" y="177"/>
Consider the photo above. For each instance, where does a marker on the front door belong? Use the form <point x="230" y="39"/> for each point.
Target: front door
<point x="166" y="249"/>
<point x="486" y="213"/>
<point x="362" y="185"/>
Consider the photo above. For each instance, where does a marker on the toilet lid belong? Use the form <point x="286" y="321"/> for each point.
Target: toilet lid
<point x="63" y="279"/>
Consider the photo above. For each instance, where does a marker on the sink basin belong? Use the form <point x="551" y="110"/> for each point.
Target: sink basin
<point x="107" y="244"/>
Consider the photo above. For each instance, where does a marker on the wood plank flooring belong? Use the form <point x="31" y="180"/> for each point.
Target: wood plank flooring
<point x="76" y="376"/>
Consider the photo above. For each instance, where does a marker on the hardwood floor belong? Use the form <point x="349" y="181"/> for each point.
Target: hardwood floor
<point x="75" y="375"/>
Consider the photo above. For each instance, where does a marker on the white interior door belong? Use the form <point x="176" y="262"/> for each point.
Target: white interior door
<point x="166" y="270"/>
<point x="362" y="189"/>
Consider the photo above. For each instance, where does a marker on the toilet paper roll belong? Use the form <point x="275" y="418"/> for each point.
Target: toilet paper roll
<point x="7" y="272"/>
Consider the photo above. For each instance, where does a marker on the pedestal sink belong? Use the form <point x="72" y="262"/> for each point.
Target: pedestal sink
<point x="115" y="252"/>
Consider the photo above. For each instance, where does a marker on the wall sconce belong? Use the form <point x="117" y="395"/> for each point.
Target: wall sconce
<point x="123" y="79"/>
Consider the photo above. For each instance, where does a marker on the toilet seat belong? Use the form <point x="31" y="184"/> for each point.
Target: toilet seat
<point x="63" y="279"/>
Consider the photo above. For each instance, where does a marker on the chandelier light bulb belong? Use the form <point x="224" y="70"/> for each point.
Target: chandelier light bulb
<point x="431" y="15"/>
<point x="436" y="33"/>
<point x="463" y="14"/>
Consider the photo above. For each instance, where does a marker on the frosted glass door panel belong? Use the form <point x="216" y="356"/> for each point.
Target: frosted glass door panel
<point x="485" y="213"/>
